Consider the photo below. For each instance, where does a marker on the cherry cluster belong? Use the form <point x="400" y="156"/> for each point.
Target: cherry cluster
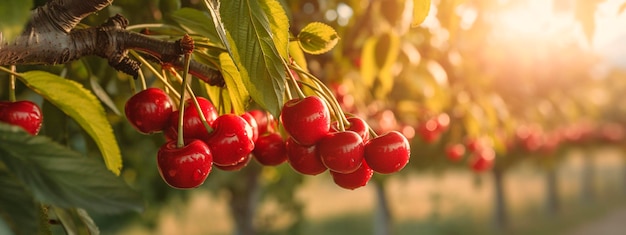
<point x="25" y="114"/>
<point x="313" y="144"/>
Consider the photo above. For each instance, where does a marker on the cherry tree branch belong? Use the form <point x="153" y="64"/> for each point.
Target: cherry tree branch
<point x="50" y="37"/>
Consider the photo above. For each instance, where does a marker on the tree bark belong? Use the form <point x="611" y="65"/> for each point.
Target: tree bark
<point x="588" y="176"/>
<point x="500" y="208"/>
<point x="243" y="201"/>
<point x="552" y="195"/>
<point x="382" y="215"/>
<point x="50" y="37"/>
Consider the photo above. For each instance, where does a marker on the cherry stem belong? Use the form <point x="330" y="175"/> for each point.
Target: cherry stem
<point x="133" y="88"/>
<point x="328" y="94"/>
<point x="187" y="43"/>
<point x="293" y="80"/>
<point x="9" y="71"/>
<point x="142" y="78"/>
<point x="156" y="73"/>
<point x="220" y="101"/>
<point x="288" y="91"/>
<point x="373" y="133"/>
<point x="12" y="84"/>
<point x="181" y="107"/>
<point x="195" y="102"/>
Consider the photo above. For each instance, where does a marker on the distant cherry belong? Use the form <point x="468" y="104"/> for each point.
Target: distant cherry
<point x="455" y="152"/>
<point x="482" y="160"/>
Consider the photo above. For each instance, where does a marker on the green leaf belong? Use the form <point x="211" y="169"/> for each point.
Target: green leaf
<point x="296" y="53"/>
<point x="17" y="206"/>
<point x="196" y="21"/>
<point x="378" y="57"/>
<point x="420" y="11"/>
<point x="82" y="106"/>
<point x="236" y="89"/>
<point x="317" y="38"/>
<point x="62" y="177"/>
<point x="77" y="221"/>
<point x="254" y="51"/>
<point x="279" y="25"/>
<point x="15" y="14"/>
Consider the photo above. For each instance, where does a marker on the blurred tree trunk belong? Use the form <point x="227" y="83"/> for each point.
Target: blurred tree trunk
<point x="500" y="209"/>
<point x="588" y="174"/>
<point x="244" y="194"/>
<point x="552" y="191"/>
<point x="382" y="215"/>
<point x="624" y="172"/>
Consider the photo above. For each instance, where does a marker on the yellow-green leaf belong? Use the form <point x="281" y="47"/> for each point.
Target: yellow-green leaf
<point x="279" y="25"/>
<point x="248" y="32"/>
<point x="297" y="55"/>
<point x="236" y="89"/>
<point x="82" y="106"/>
<point x="368" y="62"/>
<point x="420" y="11"/>
<point x="317" y="38"/>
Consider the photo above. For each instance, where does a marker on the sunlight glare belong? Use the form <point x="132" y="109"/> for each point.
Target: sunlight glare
<point x="535" y="20"/>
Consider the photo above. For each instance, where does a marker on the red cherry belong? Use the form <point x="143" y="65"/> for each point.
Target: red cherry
<point x="230" y="141"/>
<point x="185" y="167"/>
<point x="429" y="130"/>
<point x="25" y="114"/>
<point x="455" y="152"/>
<point x="264" y="120"/>
<point x="304" y="159"/>
<point x="474" y="145"/>
<point x="356" y="179"/>
<point x="254" y="128"/>
<point x="270" y="150"/>
<point x="388" y="153"/>
<point x="149" y="110"/>
<point x="482" y="160"/>
<point x="443" y="122"/>
<point x="306" y="120"/>
<point x="238" y="166"/>
<point x="386" y="121"/>
<point x="192" y="125"/>
<point x="357" y="125"/>
<point x="341" y="151"/>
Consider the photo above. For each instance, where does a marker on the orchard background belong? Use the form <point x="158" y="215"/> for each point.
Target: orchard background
<point x="512" y="109"/>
